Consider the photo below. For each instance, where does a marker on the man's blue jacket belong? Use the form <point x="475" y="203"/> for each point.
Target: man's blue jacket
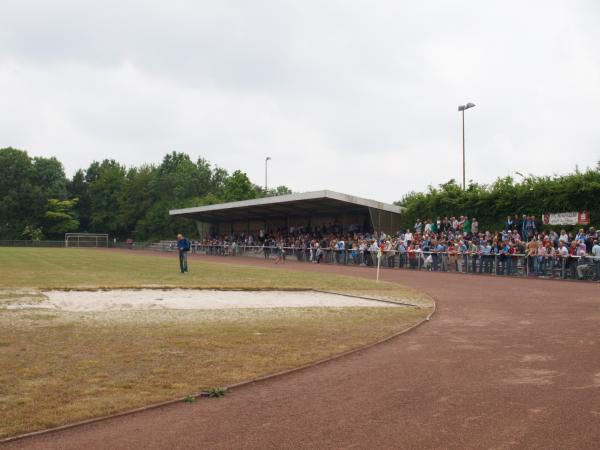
<point x="183" y="245"/>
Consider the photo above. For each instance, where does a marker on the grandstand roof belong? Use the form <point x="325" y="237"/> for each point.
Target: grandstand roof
<point x="303" y="204"/>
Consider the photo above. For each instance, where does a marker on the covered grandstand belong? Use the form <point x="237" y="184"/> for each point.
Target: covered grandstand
<point x="308" y="210"/>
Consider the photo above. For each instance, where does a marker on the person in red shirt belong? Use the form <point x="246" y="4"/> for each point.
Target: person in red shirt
<point x="452" y="267"/>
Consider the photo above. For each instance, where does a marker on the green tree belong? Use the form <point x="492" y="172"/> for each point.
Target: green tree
<point x="60" y="217"/>
<point x="170" y="185"/>
<point x="26" y="184"/>
<point x="178" y="177"/>
<point x="77" y="187"/>
<point x="32" y="233"/>
<point x="136" y="198"/>
<point x="217" y="181"/>
<point x="35" y="195"/>
<point x="158" y="224"/>
<point x="238" y="187"/>
<point x="105" y="185"/>
<point x="279" y="190"/>
<point x="15" y="191"/>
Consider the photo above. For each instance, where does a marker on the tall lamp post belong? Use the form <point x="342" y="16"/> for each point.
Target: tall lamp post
<point x="462" y="109"/>
<point x="267" y="159"/>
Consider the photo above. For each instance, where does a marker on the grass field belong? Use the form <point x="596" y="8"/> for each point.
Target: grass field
<point x="60" y="367"/>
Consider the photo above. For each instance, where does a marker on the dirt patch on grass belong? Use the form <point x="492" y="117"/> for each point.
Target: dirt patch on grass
<point x="22" y="296"/>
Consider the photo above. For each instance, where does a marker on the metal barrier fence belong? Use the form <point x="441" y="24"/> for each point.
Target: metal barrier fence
<point x="516" y="265"/>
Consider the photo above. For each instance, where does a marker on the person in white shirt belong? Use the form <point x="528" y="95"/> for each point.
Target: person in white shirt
<point x="361" y="252"/>
<point x="454" y="223"/>
<point x="563" y="250"/>
<point x="563" y="236"/>
<point x="408" y="237"/>
<point x="374" y="248"/>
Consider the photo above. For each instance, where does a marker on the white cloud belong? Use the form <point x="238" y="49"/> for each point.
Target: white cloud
<point x="355" y="96"/>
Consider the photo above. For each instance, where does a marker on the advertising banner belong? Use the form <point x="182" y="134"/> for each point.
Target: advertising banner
<point x="567" y="218"/>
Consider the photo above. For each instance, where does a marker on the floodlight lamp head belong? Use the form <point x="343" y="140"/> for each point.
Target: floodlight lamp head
<point x="268" y="158"/>
<point x="469" y="105"/>
<point x="461" y="107"/>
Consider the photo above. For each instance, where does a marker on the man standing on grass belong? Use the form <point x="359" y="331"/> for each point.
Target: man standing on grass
<point x="183" y="247"/>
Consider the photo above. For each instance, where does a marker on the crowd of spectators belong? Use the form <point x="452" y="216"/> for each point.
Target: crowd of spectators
<point x="444" y="244"/>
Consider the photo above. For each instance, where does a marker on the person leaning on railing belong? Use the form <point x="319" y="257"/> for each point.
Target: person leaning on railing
<point x="596" y="256"/>
<point x="401" y="254"/>
<point x="581" y="254"/>
<point x="452" y="260"/>
<point x="530" y="257"/>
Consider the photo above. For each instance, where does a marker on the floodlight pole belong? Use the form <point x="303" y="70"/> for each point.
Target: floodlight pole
<point x="267" y="159"/>
<point x="462" y="109"/>
<point x="463" y="145"/>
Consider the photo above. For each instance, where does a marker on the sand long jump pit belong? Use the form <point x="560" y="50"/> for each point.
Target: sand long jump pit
<point x="71" y="355"/>
<point x="193" y="299"/>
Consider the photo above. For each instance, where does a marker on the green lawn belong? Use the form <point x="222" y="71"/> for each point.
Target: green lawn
<point x="59" y="367"/>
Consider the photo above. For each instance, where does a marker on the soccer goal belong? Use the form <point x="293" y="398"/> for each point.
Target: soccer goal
<point x="86" y="240"/>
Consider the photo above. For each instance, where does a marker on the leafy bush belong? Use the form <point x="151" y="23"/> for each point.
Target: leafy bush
<point x="491" y="204"/>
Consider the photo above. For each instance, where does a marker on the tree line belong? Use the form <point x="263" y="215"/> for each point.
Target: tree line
<point x="38" y="201"/>
<point x="491" y="204"/>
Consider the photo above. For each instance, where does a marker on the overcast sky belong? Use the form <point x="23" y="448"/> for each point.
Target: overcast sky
<point x="355" y="96"/>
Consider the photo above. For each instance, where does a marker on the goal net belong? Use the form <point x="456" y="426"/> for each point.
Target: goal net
<point x="86" y="240"/>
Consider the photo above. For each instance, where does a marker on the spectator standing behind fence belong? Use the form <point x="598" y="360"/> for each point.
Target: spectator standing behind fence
<point x="474" y="226"/>
<point x="581" y="260"/>
<point x="522" y="227"/>
<point x="183" y="247"/>
<point x="280" y="253"/>
<point x="596" y="255"/>
<point x="318" y="253"/>
<point x="418" y="226"/>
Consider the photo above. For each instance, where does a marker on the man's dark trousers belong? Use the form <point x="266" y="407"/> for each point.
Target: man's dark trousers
<point x="183" y="261"/>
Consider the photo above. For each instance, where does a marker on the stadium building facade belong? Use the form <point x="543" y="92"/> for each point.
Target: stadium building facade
<point x="308" y="210"/>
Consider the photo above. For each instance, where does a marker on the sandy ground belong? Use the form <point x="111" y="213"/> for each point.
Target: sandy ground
<point x="144" y="299"/>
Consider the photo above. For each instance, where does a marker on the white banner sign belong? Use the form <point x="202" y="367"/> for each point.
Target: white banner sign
<point x="567" y="218"/>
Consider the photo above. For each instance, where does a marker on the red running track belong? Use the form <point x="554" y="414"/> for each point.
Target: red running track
<point x="504" y="364"/>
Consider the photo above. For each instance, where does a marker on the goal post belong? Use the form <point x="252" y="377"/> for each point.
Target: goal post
<point x="86" y="240"/>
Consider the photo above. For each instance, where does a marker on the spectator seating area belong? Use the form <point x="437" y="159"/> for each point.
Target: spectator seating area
<point x="454" y="244"/>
